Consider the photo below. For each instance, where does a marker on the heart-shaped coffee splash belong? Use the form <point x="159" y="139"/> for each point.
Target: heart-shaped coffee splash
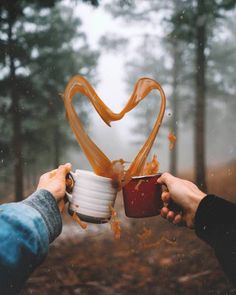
<point x="100" y="163"/>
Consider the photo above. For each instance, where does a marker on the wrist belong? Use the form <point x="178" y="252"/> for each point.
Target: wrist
<point x="43" y="201"/>
<point x="56" y="194"/>
<point x="195" y="200"/>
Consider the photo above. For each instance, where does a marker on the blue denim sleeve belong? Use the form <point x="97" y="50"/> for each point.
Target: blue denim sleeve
<point x="26" y="229"/>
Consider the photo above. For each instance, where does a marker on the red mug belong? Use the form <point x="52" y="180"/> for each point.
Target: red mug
<point x="142" y="196"/>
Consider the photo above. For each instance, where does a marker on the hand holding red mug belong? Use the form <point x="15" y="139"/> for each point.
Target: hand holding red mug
<point x="184" y="194"/>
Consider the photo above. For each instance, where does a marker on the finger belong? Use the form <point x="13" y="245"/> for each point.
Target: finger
<point x="63" y="170"/>
<point x="170" y="216"/>
<point x="164" y="212"/>
<point x="165" y="196"/>
<point x="178" y="219"/>
<point x="172" y="206"/>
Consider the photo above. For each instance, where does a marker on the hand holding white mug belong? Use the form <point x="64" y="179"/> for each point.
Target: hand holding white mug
<point x="183" y="193"/>
<point x="55" y="181"/>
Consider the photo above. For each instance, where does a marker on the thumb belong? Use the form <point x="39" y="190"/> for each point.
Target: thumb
<point x="164" y="178"/>
<point x="63" y="170"/>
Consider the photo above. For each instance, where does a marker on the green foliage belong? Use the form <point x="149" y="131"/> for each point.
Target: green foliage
<point x="46" y="47"/>
<point x="189" y="15"/>
<point x="58" y="61"/>
<point x="182" y="22"/>
<point x="153" y="57"/>
<point x="93" y="2"/>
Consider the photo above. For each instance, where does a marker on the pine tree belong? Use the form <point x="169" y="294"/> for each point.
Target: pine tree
<point x="159" y="58"/>
<point x="36" y="57"/>
<point x="193" y="23"/>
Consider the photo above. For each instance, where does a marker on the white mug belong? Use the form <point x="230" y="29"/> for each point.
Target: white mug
<point x="92" y="196"/>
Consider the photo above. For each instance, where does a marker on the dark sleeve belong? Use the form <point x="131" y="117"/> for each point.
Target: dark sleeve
<point x="215" y="223"/>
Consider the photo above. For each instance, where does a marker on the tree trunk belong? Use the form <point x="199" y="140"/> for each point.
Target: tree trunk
<point x="200" y="98"/>
<point x="16" y="116"/>
<point x="27" y="174"/>
<point x="174" y="120"/>
<point x="17" y="148"/>
<point x="34" y="174"/>
<point x="56" y="140"/>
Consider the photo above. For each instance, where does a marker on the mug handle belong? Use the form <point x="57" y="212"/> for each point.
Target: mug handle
<point x="69" y="197"/>
<point x="70" y="182"/>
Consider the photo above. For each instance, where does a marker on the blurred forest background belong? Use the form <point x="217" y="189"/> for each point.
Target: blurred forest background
<point x="187" y="46"/>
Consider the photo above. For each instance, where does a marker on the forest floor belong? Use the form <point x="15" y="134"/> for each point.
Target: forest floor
<point x="152" y="257"/>
<point x="170" y="261"/>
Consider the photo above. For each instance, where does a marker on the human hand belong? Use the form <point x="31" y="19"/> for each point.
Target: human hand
<point x="55" y="181"/>
<point x="183" y="193"/>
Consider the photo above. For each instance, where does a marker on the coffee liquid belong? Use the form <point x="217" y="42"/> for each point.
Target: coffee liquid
<point x="100" y="163"/>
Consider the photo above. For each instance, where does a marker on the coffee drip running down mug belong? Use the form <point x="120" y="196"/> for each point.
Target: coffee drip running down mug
<point x="92" y="196"/>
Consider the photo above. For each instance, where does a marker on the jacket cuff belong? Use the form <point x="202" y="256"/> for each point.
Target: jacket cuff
<point x="209" y="217"/>
<point x="44" y="202"/>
